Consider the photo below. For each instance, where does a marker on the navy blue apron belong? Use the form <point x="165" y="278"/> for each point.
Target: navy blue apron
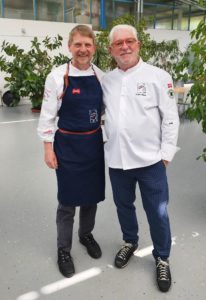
<point x="78" y="144"/>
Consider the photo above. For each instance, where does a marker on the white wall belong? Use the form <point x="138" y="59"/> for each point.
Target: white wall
<point x="21" y="32"/>
<point x="183" y="37"/>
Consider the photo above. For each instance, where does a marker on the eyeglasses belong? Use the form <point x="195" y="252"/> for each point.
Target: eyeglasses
<point x="119" y="43"/>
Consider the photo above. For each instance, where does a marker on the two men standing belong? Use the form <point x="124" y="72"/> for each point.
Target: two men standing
<point x="141" y="125"/>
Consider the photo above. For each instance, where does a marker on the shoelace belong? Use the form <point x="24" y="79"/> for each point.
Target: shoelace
<point x="90" y="239"/>
<point x="163" y="268"/>
<point x="124" y="251"/>
<point x="65" y="256"/>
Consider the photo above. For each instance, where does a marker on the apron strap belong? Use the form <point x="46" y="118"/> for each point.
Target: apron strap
<point x="66" y="79"/>
<point x="66" y="82"/>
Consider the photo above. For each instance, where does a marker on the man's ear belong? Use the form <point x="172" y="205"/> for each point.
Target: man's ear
<point x="110" y="49"/>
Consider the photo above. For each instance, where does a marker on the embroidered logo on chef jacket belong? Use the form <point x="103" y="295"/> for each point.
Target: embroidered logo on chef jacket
<point x="93" y="115"/>
<point x="141" y="89"/>
<point x="171" y="93"/>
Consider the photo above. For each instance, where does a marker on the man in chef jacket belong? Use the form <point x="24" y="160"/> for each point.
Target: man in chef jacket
<point x="141" y="125"/>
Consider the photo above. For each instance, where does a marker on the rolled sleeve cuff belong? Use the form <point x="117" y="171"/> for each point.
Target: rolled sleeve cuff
<point x="168" y="151"/>
<point x="46" y="136"/>
<point x="48" y="139"/>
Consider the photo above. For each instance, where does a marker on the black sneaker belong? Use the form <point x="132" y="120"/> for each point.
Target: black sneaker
<point x="124" y="254"/>
<point x="65" y="263"/>
<point x="163" y="274"/>
<point x="93" y="248"/>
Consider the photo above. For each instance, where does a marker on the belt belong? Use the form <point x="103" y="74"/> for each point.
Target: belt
<point x="79" y="132"/>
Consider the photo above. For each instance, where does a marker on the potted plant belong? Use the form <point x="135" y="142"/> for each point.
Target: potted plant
<point x="27" y="71"/>
<point x="40" y="64"/>
<point x="12" y="63"/>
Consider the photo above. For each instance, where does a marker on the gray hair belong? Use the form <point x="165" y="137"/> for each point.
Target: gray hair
<point x="120" y="27"/>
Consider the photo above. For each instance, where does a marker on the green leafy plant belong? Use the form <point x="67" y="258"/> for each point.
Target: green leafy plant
<point x="164" y="54"/>
<point x="41" y="63"/>
<point x="12" y="62"/>
<point x="203" y="155"/>
<point x="192" y="68"/>
<point x="202" y="2"/>
<point x="27" y="71"/>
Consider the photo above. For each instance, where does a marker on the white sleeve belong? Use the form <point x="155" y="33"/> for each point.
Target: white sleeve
<point x="47" y="126"/>
<point x="99" y="73"/>
<point x="170" y="118"/>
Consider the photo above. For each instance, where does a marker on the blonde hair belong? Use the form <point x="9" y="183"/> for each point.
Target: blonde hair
<point x="121" y="27"/>
<point x="83" y="30"/>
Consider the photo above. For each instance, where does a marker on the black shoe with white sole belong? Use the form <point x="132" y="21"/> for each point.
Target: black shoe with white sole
<point x="124" y="254"/>
<point x="163" y="274"/>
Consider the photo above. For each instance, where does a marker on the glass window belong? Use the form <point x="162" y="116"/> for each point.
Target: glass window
<point x="18" y="9"/>
<point x="115" y="9"/>
<point x="149" y="13"/>
<point x="163" y="23"/>
<point x="181" y="17"/>
<point x="194" y="21"/>
<point x="70" y="11"/>
<point x="50" y="10"/>
<point x="78" y="11"/>
<point x="163" y="17"/>
<point x="158" y="15"/>
<point x="109" y="12"/>
<point x="95" y="14"/>
<point x="195" y="17"/>
<point x="121" y="8"/>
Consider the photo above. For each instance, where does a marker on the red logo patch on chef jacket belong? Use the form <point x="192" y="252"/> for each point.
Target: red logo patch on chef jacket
<point x="76" y="91"/>
<point x="169" y="85"/>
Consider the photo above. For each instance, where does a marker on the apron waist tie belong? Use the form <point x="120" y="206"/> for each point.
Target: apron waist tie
<point x="79" y="132"/>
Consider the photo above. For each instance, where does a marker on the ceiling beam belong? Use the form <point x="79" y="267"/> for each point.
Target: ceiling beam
<point x="193" y="3"/>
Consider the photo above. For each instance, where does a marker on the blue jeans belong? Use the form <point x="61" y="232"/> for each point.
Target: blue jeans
<point x="153" y="187"/>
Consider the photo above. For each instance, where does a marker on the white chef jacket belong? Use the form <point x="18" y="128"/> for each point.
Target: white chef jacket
<point x="141" y="117"/>
<point x="52" y="98"/>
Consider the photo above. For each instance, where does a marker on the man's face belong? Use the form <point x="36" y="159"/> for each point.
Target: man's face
<point x="125" y="49"/>
<point x="82" y="49"/>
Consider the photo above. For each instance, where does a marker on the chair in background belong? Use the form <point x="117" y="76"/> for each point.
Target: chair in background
<point x="183" y="98"/>
<point x="187" y="98"/>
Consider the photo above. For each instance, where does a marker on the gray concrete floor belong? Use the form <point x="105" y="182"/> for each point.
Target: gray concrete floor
<point x="28" y="269"/>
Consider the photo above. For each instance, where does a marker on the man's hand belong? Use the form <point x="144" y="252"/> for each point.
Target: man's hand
<point x="165" y="162"/>
<point x="49" y="156"/>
